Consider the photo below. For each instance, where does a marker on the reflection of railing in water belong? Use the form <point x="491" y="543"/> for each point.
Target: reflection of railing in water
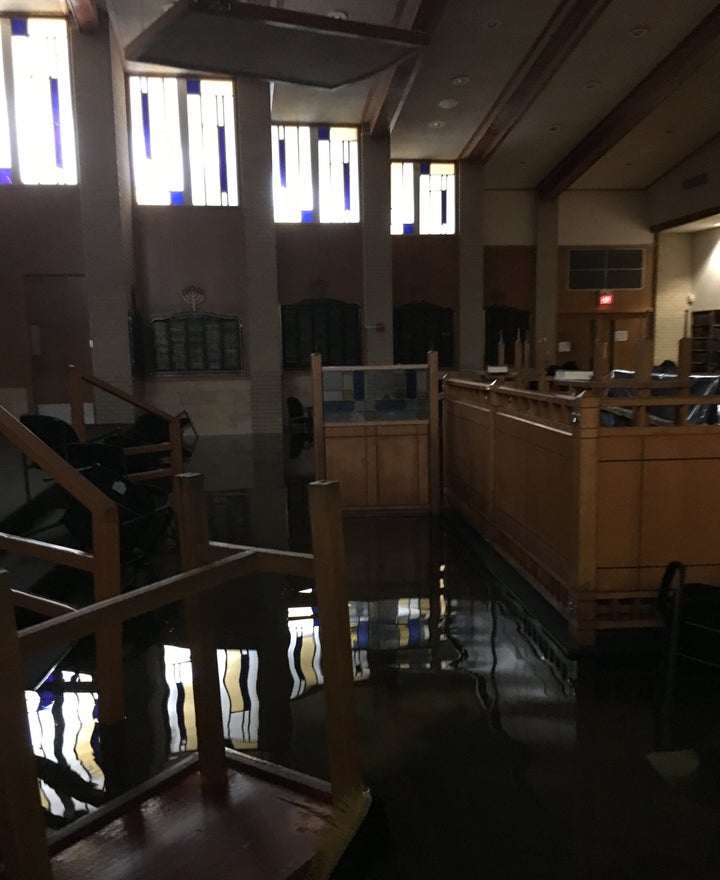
<point x="25" y="847"/>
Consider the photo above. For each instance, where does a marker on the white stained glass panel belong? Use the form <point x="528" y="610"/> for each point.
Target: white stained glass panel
<point x="338" y="176"/>
<point x="292" y="174"/>
<point x="43" y="103"/>
<point x="5" y="152"/>
<point x="211" y="141"/>
<point x="155" y="140"/>
<point x="437" y="199"/>
<point x="402" y="197"/>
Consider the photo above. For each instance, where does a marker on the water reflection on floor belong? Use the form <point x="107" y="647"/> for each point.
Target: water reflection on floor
<point x="490" y="751"/>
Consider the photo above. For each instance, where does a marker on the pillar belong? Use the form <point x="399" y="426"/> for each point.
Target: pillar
<point x="471" y="313"/>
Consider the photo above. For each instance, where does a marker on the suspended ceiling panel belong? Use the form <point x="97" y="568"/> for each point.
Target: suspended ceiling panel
<point x="272" y="44"/>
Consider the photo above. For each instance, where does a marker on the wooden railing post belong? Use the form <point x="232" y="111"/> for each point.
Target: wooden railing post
<point x="318" y="416"/>
<point x="434" y="431"/>
<point x="77" y="406"/>
<point x="192" y="526"/>
<point x="23" y="843"/>
<point x="107" y="583"/>
<point x="330" y="584"/>
<point x="176" y="448"/>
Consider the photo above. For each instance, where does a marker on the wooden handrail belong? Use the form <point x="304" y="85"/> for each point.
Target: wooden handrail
<point x="173" y="445"/>
<point x="53" y="464"/>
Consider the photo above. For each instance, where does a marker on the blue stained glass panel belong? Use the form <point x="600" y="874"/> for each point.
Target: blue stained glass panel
<point x="408" y="228"/>
<point x="193" y="87"/>
<point x="363" y="632"/>
<point x="55" y="103"/>
<point x="424" y="168"/>
<point x="324" y="133"/>
<point x="177" y="198"/>
<point x="346" y="184"/>
<point x="5" y="175"/>
<point x="443" y="206"/>
<point x="414" y="631"/>
<point x="306" y="216"/>
<point x="180" y="714"/>
<point x="283" y="161"/>
<point x="19" y="27"/>
<point x="145" y="102"/>
<point x="222" y="159"/>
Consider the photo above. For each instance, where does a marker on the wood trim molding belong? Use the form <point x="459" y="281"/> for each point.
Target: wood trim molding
<point x="389" y="93"/>
<point x="569" y="24"/>
<point x="85" y="15"/>
<point x="684" y="60"/>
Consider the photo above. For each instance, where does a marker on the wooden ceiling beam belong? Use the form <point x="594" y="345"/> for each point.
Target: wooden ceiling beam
<point x="85" y="15"/>
<point x="568" y="25"/>
<point x="687" y="57"/>
<point x="389" y="93"/>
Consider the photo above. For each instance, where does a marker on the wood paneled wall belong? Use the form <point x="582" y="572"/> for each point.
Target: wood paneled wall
<point x="589" y="515"/>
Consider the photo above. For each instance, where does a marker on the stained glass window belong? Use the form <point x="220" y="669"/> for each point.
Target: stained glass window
<point x="5" y="150"/>
<point x="315" y="174"/>
<point x="292" y="174"/>
<point x="430" y="186"/>
<point x="338" y="181"/>
<point x="183" y="141"/>
<point x="43" y="103"/>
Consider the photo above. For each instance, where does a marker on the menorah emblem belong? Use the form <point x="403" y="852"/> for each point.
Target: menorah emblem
<point x="193" y="296"/>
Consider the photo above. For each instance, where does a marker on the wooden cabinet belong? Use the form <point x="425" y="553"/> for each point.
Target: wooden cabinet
<point x="706" y="341"/>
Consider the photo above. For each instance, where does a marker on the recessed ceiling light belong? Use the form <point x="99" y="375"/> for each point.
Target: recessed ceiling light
<point x="460" y="80"/>
<point x="555" y="127"/>
<point x="669" y="131"/>
<point x="447" y="103"/>
<point x="338" y="13"/>
<point x="436" y="123"/>
<point x="492" y="24"/>
<point x="628" y="164"/>
<point x="592" y="83"/>
<point x="640" y="30"/>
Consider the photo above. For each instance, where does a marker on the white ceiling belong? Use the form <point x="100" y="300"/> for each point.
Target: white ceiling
<point x="490" y="42"/>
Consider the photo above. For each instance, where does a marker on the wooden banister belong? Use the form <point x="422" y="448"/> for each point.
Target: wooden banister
<point x="76" y="380"/>
<point x="23" y="841"/>
<point x="330" y="583"/>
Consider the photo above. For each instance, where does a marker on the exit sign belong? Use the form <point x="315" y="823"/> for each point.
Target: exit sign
<point x="606" y="298"/>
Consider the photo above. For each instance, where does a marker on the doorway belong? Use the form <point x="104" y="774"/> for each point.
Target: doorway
<point x="59" y="326"/>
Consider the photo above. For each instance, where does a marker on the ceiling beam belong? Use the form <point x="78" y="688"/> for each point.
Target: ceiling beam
<point x="687" y="57"/>
<point x="85" y="15"/>
<point x="568" y="25"/>
<point x="389" y="92"/>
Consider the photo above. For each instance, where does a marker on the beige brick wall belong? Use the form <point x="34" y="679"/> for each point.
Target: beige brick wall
<point x="217" y="405"/>
<point x="14" y="400"/>
<point x="674" y="285"/>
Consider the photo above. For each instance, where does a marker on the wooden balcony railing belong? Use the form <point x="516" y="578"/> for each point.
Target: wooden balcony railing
<point x="77" y="380"/>
<point x="23" y="839"/>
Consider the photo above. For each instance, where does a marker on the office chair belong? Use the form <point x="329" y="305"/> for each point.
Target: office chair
<point x="143" y="523"/>
<point x="300" y="422"/>
<point x="61" y="438"/>
<point x="692" y="618"/>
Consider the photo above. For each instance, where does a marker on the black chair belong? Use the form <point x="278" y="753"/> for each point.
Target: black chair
<point x="63" y="440"/>
<point x="300" y="422"/>
<point x="691" y="612"/>
<point x="143" y="524"/>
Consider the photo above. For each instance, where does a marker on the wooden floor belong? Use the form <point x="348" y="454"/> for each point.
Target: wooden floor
<point x="264" y="831"/>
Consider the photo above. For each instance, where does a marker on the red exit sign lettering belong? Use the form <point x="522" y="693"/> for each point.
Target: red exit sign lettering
<point x="606" y="298"/>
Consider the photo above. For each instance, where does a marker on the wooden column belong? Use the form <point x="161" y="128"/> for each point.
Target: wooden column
<point x="330" y="584"/>
<point x="107" y="583"/>
<point x="434" y="431"/>
<point x="585" y="465"/>
<point x="23" y="842"/>
<point x="192" y="525"/>
<point x="318" y="416"/>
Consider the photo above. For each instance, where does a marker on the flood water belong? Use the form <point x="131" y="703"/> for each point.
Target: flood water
<point x="492" y="750"/>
